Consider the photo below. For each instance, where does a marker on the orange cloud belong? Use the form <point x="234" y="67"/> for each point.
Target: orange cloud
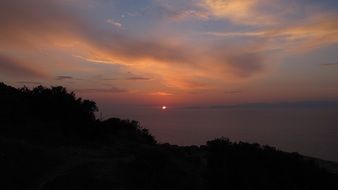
<point x="161" y="94"/>
<point x="241" y="11"/>
<point x="315" y="32"/>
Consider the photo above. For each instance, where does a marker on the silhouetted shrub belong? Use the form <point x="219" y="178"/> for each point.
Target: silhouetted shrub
<point x="250" y="166"/>
<point x="127" y="129"/>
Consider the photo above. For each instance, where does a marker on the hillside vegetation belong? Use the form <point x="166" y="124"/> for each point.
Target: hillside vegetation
<point x="51" y="140"/>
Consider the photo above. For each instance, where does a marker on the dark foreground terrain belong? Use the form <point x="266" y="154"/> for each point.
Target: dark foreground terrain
<point x="51" y="140"/>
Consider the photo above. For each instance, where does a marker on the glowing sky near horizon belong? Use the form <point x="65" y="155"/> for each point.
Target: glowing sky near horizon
<point x="177" y="52"/>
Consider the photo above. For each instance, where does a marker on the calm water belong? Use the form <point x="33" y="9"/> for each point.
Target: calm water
<point x="313" y="132"/>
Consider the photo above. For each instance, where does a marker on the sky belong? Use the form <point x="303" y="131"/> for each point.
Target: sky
<point x="177" y="52"/>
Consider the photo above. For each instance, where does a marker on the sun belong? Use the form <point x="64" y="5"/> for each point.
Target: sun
<point x="164" y="107"/>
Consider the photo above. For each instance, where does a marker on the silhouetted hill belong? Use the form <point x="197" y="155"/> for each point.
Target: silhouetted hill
<point x="51" y="140"/>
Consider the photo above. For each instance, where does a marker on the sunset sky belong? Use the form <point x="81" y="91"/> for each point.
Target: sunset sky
<point x="173" y="52"/>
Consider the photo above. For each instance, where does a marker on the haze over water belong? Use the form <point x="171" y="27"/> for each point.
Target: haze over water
<point x="310" y="131"/>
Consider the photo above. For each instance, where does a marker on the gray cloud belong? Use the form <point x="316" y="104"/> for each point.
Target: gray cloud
<point x="241" y="62"/>
<point x="28" y="83"/>
<point x="246" y="64"/>
<point x="101" y="90"/>
<point x="11" y="67"/>
<point x="178" y="10"/>
<point x="232" y="92"/>
<point x="138" y="78"/>
<point x="299" y="104"/>
<point x="330" y="64"/>
<point x="277" y="105"/>
<point x="63" y="78"/>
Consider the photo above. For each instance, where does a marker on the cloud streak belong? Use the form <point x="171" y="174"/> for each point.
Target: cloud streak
<point x="330" y="64"/>
<point x="102" y="90"/>
<point x="138" y="78"/>
<point x="161" y="94"/>
<point x="63" y="78"/>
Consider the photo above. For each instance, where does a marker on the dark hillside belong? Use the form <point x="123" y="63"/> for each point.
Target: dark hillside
<point x="51" y="140"/>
